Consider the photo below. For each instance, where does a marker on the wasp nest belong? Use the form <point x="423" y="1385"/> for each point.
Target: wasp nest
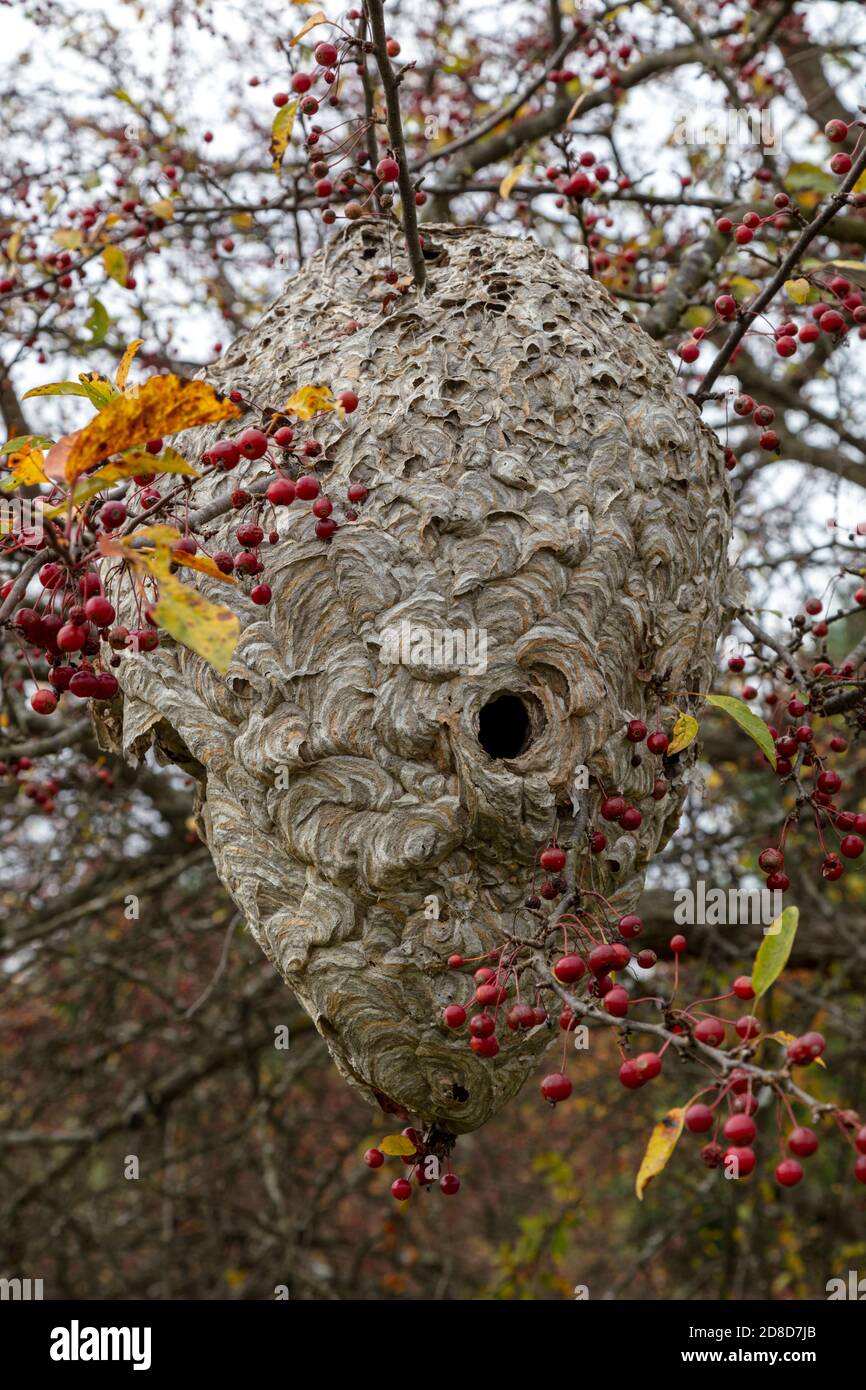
<point x="445" y="683"/>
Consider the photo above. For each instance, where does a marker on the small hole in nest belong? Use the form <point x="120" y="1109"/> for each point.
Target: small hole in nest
<point x="505" y="726"/>
<point x="459" y="1093"/>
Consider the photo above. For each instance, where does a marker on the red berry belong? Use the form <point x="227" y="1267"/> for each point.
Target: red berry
<point x="698" y="1119"/>
<point x="454" y="1016"/>
<point x="743" y="987"/>
<point x="710" y="1031"/>
<point x="482" y="1025"/>
<point x="836" y="131"/>
<point x="556" y="1087"/>
<point x="281" y="492"/>
<point x="802" y="1141"/>
<point x="553" y="860"/>
<point x="860" y="1169"/>
<point x="99" y="611"/>
<point x="401" y="1189"/>
<point x="44" y="701"/>
<point x="307" y="487"/>
<point x="678" y="944"/>
<point x="388" y="170"/>
<point x="326" y="54"/>
<point x="630" y="1074"/>
<point x="789" y="1172"/>
<point x="449" y="1183"/>
<point x="357" y="492"/>
<point x="374" y="1158"/>
<point x="851" y="846"/>
<point x="569" y="968"/>
<point x="747" y="1026"/>
<point x="616" y="1001"/>
<point x="646" y="959"/>
<point x="649" y="1065"/>
<point x="284" y="436"/>
<point x="740" y="1129"/>
<point x="253" y="444"/>
<point x="743" y="1161"/>
<point x="658" y="742"/>
<point x="636" y="731"/>
<point x="485" y="1047"/>
<point x="613" y="807"/>
<point x="860" y="1140"/>
<point x="112" y="515"/>
<point x="630" y="925"/>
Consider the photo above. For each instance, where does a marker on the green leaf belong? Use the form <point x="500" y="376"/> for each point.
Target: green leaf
<point x="99" y="321"/>
<point x="23" y="441"/>
<point x="774" y="951"/>
<point x="57" y="388"/>
<point x="810" y="176"/>
<point x="748" y="720"/>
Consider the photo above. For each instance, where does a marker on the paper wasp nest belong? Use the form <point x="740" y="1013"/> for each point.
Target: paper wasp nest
<point x="540" y="489"/>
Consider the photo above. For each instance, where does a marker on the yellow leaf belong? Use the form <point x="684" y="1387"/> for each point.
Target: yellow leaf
<point x="69" y="237"/>
<point x="115" y="264"/>
<point x="167" y="461"/>
<point x="743" y="286"/>
<point x="798" y="290"/>
<point x="209" y="629"/>
<point x="13" y="246"/>
<point x="126" y="362"/>
<point x="662" y="1143"/>
<point x="112" y="219"/>
<point x="318" y="18"/>
<point x="281" y="133"/>
<point x="685" y="732"/>
<point x="163" y="405"/>
<point x="204" y="564"/>
<point x="163" y="208"/>
<point x="308" y="401"/>
<point x="397" y="1145"/>
<point x="28" y="466"/>
<point x="511" y="179"/>
<point x="242" y="220"/>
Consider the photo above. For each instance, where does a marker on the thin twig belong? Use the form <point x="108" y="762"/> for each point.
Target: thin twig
<point x="390" y="88"/>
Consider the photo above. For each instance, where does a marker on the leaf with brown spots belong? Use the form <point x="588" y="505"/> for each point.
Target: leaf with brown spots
<point x="163" y="405"/>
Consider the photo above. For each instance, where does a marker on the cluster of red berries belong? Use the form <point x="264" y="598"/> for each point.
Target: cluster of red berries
<point x="65" y="628"/>
<point x="799" y="755"/>
<point x="739" y="1129"/>
<point x="423" y="1162"/>
<point x="72" y="620"/>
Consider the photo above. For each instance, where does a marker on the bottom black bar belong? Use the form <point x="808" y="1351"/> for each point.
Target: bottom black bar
<point x="66" y="1339"/>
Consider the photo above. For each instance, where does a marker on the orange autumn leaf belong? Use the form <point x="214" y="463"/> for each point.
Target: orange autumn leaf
<point x="163" y="405"/>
